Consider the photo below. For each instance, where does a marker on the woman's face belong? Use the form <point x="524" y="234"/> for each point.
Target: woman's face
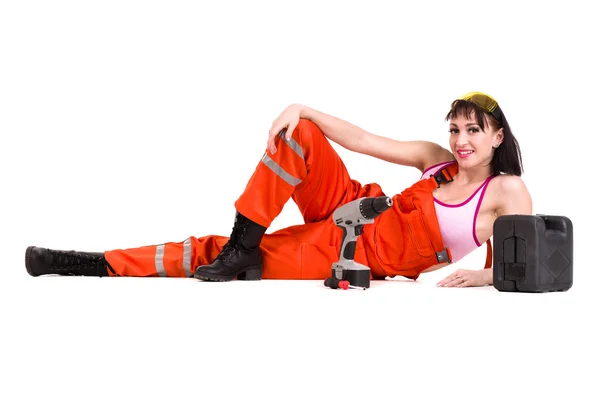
<point x="470" y="144"/>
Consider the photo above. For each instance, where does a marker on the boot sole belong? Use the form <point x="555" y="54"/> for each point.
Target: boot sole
<point x="28" y="261"/>
<point x="254" y="275"/>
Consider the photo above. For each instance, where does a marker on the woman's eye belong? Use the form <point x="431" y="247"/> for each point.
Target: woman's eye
<point x="453" y="131"/>
<point x="473" y="130"/>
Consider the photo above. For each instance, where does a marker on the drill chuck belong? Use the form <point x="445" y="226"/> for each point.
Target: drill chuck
<point x="371" y="207"/>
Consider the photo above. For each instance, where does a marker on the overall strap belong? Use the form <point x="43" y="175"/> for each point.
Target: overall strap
<point x="446" y="175"/>
<point x="488" y="258"/>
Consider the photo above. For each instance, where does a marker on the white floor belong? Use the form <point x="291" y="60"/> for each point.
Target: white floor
<point x="124" y="338"/>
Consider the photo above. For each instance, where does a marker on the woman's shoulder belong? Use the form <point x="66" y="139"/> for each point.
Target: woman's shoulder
<point x="511" y="194"/>
<point x="509" y="184"/>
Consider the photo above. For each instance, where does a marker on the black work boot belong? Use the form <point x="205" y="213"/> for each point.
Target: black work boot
<point x="239" y="257"/>
<point x="40" y="261"/>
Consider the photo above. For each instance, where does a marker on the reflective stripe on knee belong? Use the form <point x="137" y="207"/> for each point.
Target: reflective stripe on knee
<point x="273" y="166"/>
<point x="158" y="260"/>
<point x="187" y="257"/>
<point x="293" y="144"/>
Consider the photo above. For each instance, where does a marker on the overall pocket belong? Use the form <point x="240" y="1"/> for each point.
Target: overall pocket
<point x="419" y="233"/>
<point x="401" y="238"/>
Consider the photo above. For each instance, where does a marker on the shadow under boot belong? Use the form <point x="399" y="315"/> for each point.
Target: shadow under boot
<point x="240" y="257"/>
<point x="41" y="261"/>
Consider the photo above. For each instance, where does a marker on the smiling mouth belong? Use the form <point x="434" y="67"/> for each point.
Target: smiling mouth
<point x="464" y="153"/>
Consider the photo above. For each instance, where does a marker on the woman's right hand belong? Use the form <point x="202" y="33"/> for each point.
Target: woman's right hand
<point x="287" y="120"/>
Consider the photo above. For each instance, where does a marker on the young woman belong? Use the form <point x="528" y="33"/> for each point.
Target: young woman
<point x="443" y="217"/>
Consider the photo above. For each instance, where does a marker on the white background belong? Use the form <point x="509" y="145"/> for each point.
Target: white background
<point x="127" y="123"/>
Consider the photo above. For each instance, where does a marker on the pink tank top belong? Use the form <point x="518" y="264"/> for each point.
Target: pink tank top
<point x="458" y="221"/>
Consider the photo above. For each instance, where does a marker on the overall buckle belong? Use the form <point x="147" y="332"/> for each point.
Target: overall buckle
<point x="442" y="176"/>
<point x="443" y="256"/>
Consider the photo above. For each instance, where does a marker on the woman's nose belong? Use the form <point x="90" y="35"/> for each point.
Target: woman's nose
<point x="462" y="138"/>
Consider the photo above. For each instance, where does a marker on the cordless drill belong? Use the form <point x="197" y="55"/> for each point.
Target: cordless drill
<point x="351" y="217"/>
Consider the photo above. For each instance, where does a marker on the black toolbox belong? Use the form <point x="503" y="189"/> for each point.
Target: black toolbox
<point x="533" y="253"/>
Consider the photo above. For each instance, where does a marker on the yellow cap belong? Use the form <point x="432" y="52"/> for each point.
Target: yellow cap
<point x="483" y="100"/>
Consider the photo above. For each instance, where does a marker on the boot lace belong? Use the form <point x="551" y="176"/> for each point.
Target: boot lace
<point x="70" y="262"/>
<point x="235" y="240"/>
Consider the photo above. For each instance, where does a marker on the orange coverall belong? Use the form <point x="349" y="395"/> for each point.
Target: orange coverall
<point x="403" y="240"/>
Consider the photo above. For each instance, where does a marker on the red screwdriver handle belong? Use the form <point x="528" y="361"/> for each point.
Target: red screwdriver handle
<point x="344" y="285"/>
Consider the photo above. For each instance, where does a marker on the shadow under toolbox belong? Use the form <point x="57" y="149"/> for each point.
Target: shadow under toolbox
<point x="533" y="253"/>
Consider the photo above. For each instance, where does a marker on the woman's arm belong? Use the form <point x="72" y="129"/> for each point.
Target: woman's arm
<point x="342" y="132"/>
<point x="513" y="198"/>
<point x="418" y="154"/>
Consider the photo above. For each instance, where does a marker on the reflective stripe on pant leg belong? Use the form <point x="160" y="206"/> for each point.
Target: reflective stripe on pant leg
<point x="293" y="145"/>
<point x="273" y="166"/>
<point x="177" y="258"/>
<point x="158" y="260"/>
<point x="187" y="257"/>
<point x="275" y="179"/>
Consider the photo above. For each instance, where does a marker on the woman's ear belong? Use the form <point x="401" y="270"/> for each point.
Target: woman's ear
<point x="498" y="137"/>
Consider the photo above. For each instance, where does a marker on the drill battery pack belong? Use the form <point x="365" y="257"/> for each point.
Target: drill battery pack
<point x="533" y="253"/>
<point x="356" y="276"/>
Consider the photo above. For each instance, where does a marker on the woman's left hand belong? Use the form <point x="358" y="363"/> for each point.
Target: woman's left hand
<point x="466" y="278"/>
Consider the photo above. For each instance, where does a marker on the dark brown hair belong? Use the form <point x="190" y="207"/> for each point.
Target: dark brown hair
<point x="507" y="157"/>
